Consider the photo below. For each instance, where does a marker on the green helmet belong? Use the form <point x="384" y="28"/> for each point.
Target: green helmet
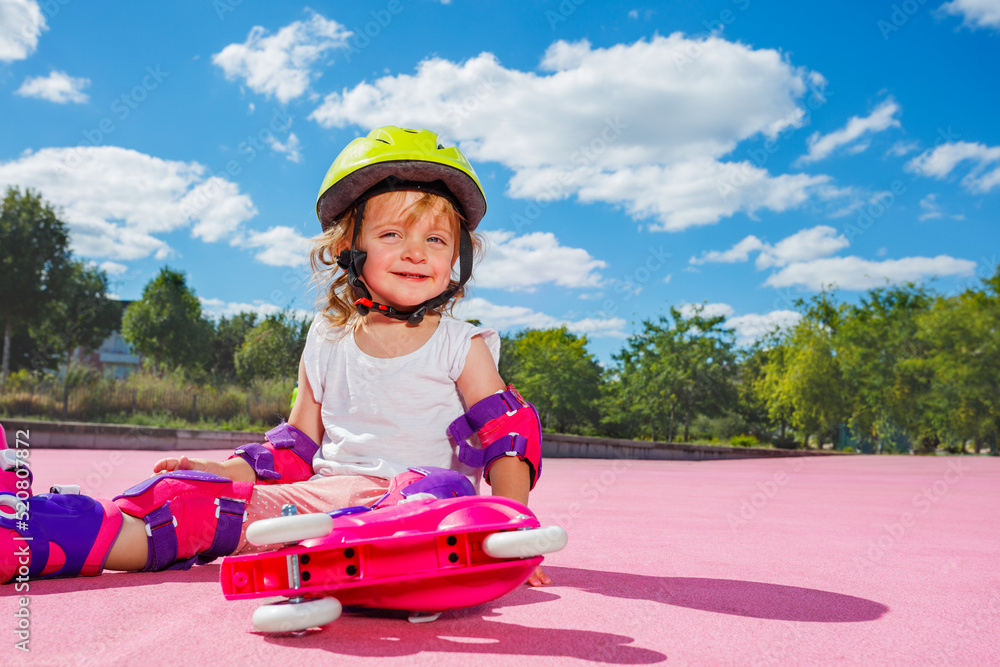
<point x="390" y="159"/>
<point x="398" y="154"/>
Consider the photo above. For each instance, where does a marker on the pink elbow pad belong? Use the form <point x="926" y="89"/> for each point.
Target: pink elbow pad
<point x="507" y="426"/>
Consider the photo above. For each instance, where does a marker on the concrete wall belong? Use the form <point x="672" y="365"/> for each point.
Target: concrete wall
<point x="75" y="435"/>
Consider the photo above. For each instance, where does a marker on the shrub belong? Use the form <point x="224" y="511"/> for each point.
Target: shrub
<point x="743" y="441"/>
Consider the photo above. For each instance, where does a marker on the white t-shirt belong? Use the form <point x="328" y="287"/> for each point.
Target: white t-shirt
<point x="382" y="416"/>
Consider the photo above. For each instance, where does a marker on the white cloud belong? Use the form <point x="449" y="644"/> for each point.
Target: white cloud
<point x="901" y="148"/>
<point x="804" y="245"/>
<point x="975" y="13"/>
<point x="115" y="200"/>
<point x="754" y="326"/>
<point x="706" y="309"/>
<point x="930" y="208"/>
<point x="57" y="87"/>
<point x="510" y="318"/>
<point x="644" y="125"/>
<point x="854" y="273"/>
<point x="738" y="253"/>
<point x="525" y="262"/>
<point x="216" y="308"/>
<point x="882" y="118"/>
<point x="941" y="161"/>
<point x="113" y="268"/>
<point x="21" y="24"/>
<point x="289" y="148"/>
<point x="282" y="64"/>
<point x="748" y="328"/>
<point x="280" y="246"/>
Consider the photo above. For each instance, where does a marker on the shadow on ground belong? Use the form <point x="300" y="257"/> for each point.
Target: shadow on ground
<point x="725" y="596"/>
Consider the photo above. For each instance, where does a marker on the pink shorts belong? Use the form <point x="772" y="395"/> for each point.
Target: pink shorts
<point x="315" y="495"/>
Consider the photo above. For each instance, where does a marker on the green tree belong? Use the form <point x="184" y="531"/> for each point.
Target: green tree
<point x="228" y="337"/>
<point x="82" y="317"/>
<point x="752" y="403"/>
<point x="167" y="323"/>
<point x="554" y="371"/>
<point x="675" y="369"/>
<point x="272" y="348"/>
<point x="769" y="386"/>
<point x="959" y="371"/>
<point x="813" y="384"/>
<point x="872" y="342"/>
<point x="33" y="255"/>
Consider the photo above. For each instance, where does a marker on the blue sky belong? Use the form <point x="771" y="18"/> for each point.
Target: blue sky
<point x="739" y="154"/>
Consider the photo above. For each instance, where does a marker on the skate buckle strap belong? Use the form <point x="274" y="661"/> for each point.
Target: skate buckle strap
<point x="231" y="514"/>
<point x="513" y="444"/>
<point x="260" y="459"/>
<point x="162" y="538"/>
<point x="505" y="402"/>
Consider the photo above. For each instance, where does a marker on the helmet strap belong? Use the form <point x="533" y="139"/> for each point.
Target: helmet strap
<point x="352" y="261"/>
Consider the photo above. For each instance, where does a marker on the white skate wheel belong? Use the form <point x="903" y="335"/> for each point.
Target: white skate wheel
<point x="8" y="460"/>
<point x="525" y="543"/>
<point x="423" y="617"/>
<point x="285" y="529"/>
<point x="296" y="616"/>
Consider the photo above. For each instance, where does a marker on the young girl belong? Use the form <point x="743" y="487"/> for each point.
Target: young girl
<point x="385" y="378"/>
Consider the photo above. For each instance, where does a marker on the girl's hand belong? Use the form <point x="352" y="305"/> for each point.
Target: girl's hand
<point x="538" y="578"/>
<point x="184" y="463"/>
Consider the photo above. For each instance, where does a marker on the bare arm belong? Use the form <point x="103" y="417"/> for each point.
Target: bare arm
<point x="510" y="477"/>
<point x="307" y="414"/>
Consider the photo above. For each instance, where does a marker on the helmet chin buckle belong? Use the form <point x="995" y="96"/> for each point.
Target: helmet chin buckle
<point x="366" y="305"/>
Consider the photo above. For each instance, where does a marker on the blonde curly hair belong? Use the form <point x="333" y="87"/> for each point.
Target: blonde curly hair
<point x="337" y="297"/>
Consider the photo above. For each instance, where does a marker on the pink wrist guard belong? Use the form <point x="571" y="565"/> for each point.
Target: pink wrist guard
<point x="286" y="457"/>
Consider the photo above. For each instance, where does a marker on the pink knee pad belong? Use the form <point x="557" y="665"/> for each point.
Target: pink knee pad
<point x="191" y="516"/>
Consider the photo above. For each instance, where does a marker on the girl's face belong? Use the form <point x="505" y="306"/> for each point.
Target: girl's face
<point x="411" y="249"/>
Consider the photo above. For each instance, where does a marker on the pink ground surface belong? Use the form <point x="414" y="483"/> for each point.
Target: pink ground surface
<point x="868" y="560"/>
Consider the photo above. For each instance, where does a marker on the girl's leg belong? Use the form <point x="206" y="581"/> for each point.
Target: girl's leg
<point x="163" y="522"/>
